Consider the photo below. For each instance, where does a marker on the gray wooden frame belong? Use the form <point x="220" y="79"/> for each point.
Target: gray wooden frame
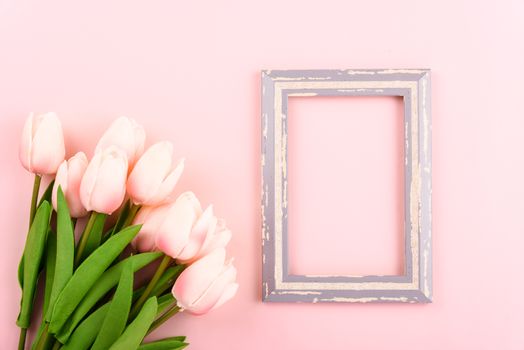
<point x="415" y="284"/>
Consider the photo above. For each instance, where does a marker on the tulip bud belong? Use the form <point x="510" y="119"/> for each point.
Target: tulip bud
<point x="167" y="227"/>
<point x="206" y="284"/>
<point x="103" y="186"/>
<point x="208" y="234"/>
<point x="42" y="147"/>
<point x="69" y="177"/>
<point x="126" y="134"/>
<point x="153" y="179"/>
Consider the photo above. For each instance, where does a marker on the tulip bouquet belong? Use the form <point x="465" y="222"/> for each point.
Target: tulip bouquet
<point x="90" y="298"/>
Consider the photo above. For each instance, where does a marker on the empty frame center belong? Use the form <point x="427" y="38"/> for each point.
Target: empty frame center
<point x="346" y="185"/>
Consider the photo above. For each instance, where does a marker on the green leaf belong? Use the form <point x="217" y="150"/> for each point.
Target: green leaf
<point x="173" y="343"/>
<point x="124" y="213"/>
<point x="49" y="274"/>
<point x="49" y="268"/>
<point x="116" y="318"/>
<point x="137" y="330"/>
<point x="104" y="284"/>
<point x="46" y="196"/>
<point x="65" y="251"/>
<point x="86" y="332"/>
<point x="21" y="272"/>
<point x="87" y="275"/>
<point x="168" y="278"/>
<point x="95" y="236"/>
<point x="164" y="302"/>
<point x="33" y="252"/>
<point x="165" y="282"/>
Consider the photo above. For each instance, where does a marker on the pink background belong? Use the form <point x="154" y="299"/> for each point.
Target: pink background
<point x="189" y="72"/>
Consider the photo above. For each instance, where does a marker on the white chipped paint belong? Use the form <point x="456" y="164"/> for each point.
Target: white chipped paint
<point x="284" y="148"/>
<point x="298" y="292"/>
<point x="414" y="197"/>
<point x="350" y="300"/>
<point x="401" y="71"/>
<point x="266" y="197"/>
<point x="302" y="94"/>
<point x="354" y="84"/>
<point x="264" y="130"/>
<point x="284" y="200"/>
<point x="401" y="299"/>
<point x="300" y="78"/>
<point x="346" y="285"/>
<point x="287" y="78"/>
<point x="426" y="290"/>
<point x="425" y="119"/>
<point x="328" y="276"/>
<point x="406" y="140"/>
<point x="278" y="184"/>
<point x="359" y="72"/>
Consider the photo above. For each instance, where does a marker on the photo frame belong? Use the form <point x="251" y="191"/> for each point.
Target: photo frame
<point x="415" y="285"/>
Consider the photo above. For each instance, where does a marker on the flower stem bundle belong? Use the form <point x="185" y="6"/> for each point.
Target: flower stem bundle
<point x="91" y="298"/>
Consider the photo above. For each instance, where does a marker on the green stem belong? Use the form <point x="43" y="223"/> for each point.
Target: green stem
<point x="85" y="237"/>
<point x="32" y="212"/>
<point x="152" y="283"/>
<point x="21" y="340"/>
<point x="34" y="198"/>
<point x="132" y="213"/>
<point x="173" y="310"/>
<point x="57" y="345"/>
<point x="45" y="339"/>
<point x="122" y="216"/>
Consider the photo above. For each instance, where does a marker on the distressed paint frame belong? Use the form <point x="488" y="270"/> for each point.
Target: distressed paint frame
<point x="415" y="285"/>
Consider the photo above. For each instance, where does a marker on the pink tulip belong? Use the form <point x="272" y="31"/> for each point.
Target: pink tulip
<point x="208" y="234"/>
<point x="151" y="219"/>
<point x="69" y="177"/>
<point x="167" y="227"/>
<point x="180" y="230"/>
<point x="42" y="147"/>
<point x="103" y="186"/>
<point x="153" y="179"/>
<point x="126" y="134"/>
<point x="206" y="284"/>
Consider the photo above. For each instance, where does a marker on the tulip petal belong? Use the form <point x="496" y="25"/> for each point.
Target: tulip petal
<point x="77" y="166"/>
<point x="87" y="185"/>
<point x="196" y="279"/>
<point x="140" y="140"/>
<point x="198" y="234"/>
<point x="149" y="172"/>
<point x="109" y="191"/>
<point x="214" y="292"/>
<point x="219" y="240"/>
<point x="26" y="143"/>
<point x="165" y="190"/>
<point x="174" y="232"/>
<point x="48" y="149"/>
<point x="60" y="181"/>
<point x="228" y="293"/>
<point x="126" y="134"/>
<point x="151" y="219"/>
